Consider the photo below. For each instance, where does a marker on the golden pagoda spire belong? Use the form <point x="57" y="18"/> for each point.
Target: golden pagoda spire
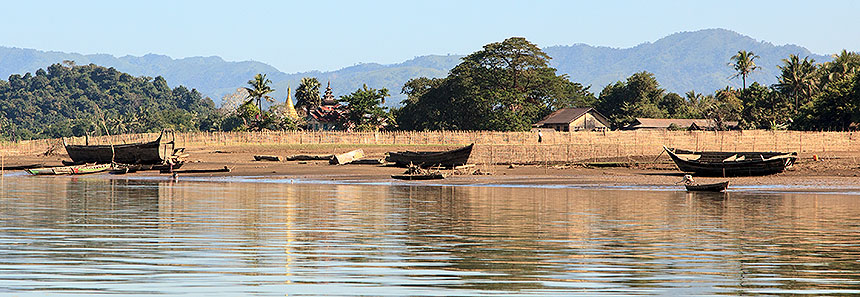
<point x="291" y="110"/>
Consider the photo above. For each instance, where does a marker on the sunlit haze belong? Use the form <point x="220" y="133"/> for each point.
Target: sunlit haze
<point x="327" y="35"/>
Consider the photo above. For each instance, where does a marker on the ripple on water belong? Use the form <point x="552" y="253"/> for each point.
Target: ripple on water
<point x="244" y="236"/>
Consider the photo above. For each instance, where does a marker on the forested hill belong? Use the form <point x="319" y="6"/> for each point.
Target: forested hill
<point x="62" y="101"/>
<point x="681" y="62"/>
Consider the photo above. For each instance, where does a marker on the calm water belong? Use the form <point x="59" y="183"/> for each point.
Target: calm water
<point x="87" y="236"/>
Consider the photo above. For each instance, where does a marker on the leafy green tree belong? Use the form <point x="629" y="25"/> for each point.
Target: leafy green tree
<point x="308" y="95"/>
<point x="572" y="95"/>
<point x="726" y="106"/>
<point x="428" y="105"/>
<point x="639" y="96"/>
<point x="697" y="104"/>
<point x="744" y="64"/>
<point x="259" y="89"/>
<point x="798" y="79"/>
<point x="364" y="110"/>
<point x="674" y="106"/>
<point x="843" y="64"/>
<point x="835" y="108"/>
<point x="764" y="108"/>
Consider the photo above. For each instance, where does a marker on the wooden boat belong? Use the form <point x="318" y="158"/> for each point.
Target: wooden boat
<point x="448" y="159"/>
<point x="67" y="170"/>
<point x="717" y="187"/>
<point x="731" y="163"/>
<point x="427" y="176"/>
<point x="131" y="153"/>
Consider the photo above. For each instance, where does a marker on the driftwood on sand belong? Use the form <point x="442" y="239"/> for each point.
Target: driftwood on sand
<point x="368" y="162"/>
<point x="347" y="157"/>
<point x="267" y="158"/>
<point x="309" y="157"/>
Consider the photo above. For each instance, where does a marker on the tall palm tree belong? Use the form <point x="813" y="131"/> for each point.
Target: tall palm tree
<point x="798" y="79"/>
<point x="844" y="63"/>
<point x="260" y="89"/>
<point x="308" y="94"/>
<point x="744" y="64"/>
<point x="698" y="102"/>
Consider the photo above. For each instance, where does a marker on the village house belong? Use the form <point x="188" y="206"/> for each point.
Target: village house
<point x="328" y="115"/>
<point x="677" y="124"/>
<point x="574" y="119"/>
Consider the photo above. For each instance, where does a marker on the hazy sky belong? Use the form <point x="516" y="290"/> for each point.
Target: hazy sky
<point x="327" y="35"/>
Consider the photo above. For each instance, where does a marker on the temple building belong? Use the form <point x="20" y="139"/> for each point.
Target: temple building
<point x="328" y="115"/>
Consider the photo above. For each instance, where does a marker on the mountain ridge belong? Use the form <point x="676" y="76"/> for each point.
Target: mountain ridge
<point x="683" y="61"/>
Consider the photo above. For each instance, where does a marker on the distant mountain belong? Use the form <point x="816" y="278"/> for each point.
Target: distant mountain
<point x="681" y="62"/>
<point x="215" y="77"/>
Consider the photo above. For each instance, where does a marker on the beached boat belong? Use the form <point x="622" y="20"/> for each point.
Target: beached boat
<point x="716" y="187"/>
<point x="427" y="176"/>
<point x="731" y="163"/>
<point x="67" y="170"/>
<point x="131" y="153"/>
<point x="450" y="158"/>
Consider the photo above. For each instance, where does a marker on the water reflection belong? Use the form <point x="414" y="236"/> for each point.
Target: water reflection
<point x="91" y="235"/>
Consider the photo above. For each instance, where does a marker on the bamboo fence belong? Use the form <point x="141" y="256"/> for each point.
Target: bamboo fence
<point x="507" y="147"/>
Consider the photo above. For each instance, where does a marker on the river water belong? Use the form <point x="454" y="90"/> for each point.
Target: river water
<point x="87" y="236"/>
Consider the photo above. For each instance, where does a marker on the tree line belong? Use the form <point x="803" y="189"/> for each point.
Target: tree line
<point x="505" y="86"/>
<point x="508" y="86"/>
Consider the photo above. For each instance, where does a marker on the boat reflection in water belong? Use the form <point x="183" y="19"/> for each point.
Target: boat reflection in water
<point x="97" y="235"/>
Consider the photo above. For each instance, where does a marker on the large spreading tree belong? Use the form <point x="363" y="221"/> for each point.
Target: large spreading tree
<point x="506" y="86"/>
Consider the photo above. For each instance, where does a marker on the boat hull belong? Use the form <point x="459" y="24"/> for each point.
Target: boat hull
<point x="70" y="170"/>
<point x="418" y="176"/>
<point x="133" y="153"/>
<point x="448" y="159"/>
<point x="752" y="164"/>
<point x="717" y="187"/>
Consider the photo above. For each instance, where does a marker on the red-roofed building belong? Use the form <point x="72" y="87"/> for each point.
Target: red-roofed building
<point x="574" y="119"/>
<point x="327" y="116"/>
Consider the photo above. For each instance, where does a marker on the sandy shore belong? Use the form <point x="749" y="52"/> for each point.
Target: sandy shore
<point x="827" y="173"/>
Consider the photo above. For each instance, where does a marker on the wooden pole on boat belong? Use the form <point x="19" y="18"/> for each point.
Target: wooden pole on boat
<point x="112" y="151"/>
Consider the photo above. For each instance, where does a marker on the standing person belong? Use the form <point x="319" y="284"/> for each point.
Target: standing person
<point x="540" y="136"/>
